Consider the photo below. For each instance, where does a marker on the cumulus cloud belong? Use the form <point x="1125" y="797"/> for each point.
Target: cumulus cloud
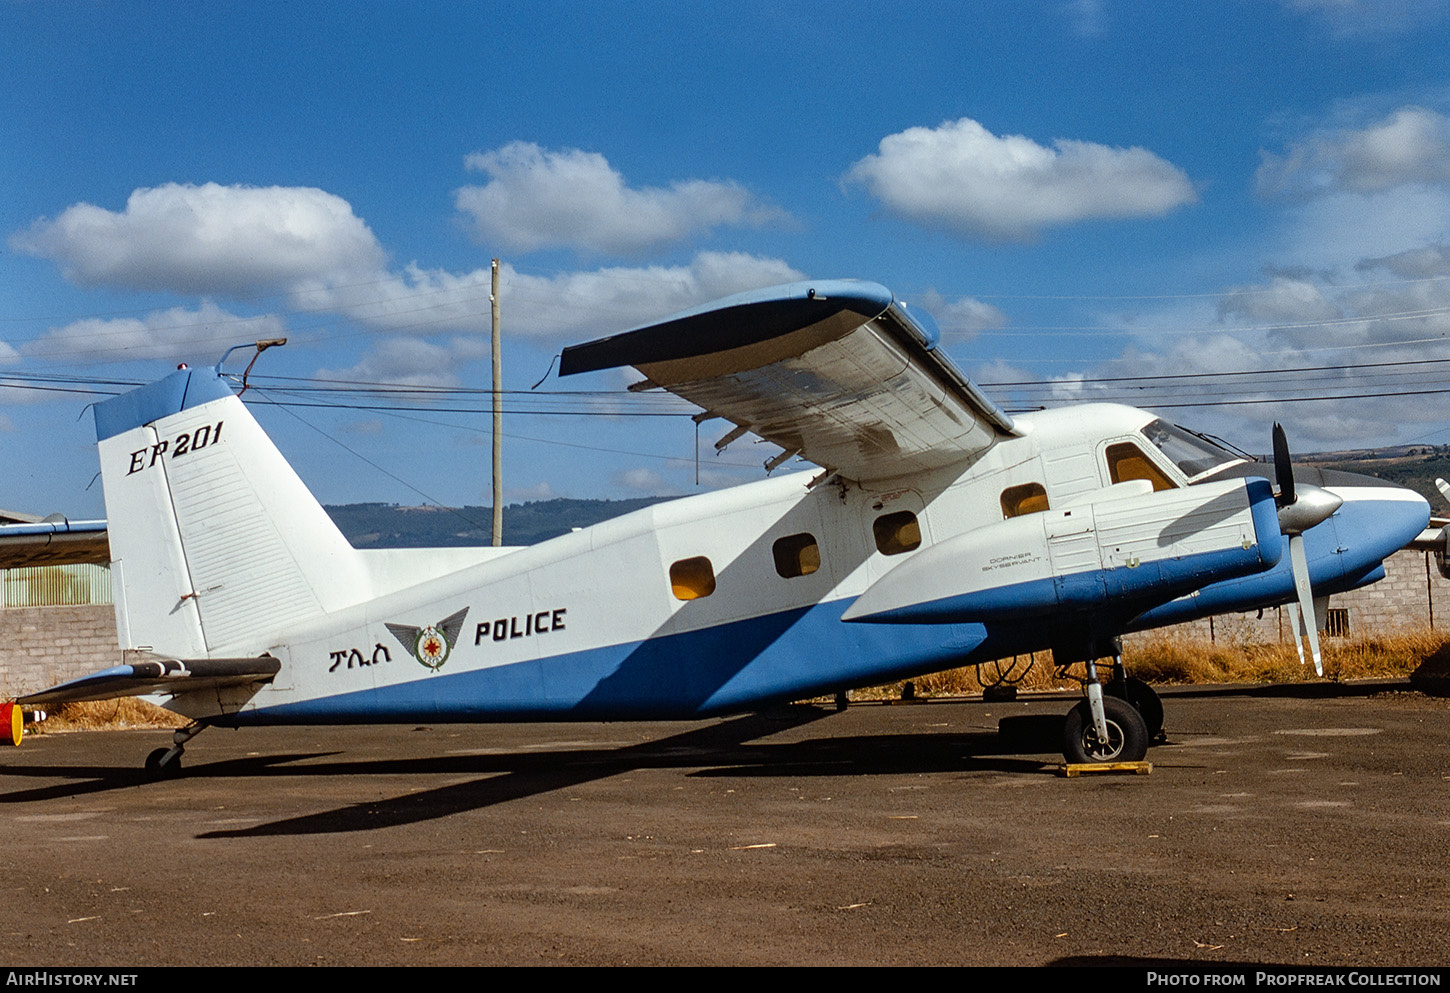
<point x="197" y="336"/>
<point x="405" y="360"/>
<point x="525" y="494"/>
<point x="963" y="316"/>
<point x="1289" y="321"/>
<point x="1409" y="147"/>
<point x="1429" y="262"/>
<point x="209" y="239"/>
<point x="1085" y="17"/>
<point x="536" y="198"/>
<point x="1351" y="18"/>
<point x="962" y="178"/>
<point x="310" y="246"/>
<point x="427" y="301"/>
<point x="1286" y="299"/>
<point x="1334" y="231"/>
<point x="555" y="308"/>
<point x="607" y="300"/>
<point x="639" y="479"/>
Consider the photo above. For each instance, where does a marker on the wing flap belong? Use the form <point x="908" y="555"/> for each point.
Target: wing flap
<point x="167" y="677"/>
<point x="838" y="371"/>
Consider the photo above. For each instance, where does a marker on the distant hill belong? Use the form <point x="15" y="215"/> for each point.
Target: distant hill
<point x="1411" y="466"/>
<point x="387" y="525"/>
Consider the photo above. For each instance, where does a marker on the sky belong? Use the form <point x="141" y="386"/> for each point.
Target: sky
<point x="1230" y="213"/>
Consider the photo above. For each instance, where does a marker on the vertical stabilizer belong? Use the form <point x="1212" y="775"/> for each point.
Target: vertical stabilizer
<point x="217" y="545"/>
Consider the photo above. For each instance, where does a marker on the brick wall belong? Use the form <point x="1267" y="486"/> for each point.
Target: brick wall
<point x="42" y="646"/>
<point x="1412" y="596"/>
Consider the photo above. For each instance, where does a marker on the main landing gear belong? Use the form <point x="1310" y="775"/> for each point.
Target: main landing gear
<point x="1117" y="720"/>
<point x="165" y="763"/>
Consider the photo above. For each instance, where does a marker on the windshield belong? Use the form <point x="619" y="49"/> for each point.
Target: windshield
<point x="1192" y="453"/>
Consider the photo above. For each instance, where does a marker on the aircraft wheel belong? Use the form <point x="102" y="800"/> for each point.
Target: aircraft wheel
<point x="1127" y="735"/>
<point x="1144" y="698"/>
<point x="156" y="770"/>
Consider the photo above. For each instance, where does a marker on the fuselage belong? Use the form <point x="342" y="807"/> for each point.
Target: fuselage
<point x="732" y="599"/>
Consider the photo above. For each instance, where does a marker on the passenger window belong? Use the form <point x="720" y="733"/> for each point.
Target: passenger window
<point x="1126" y="461"/>
<point x="693" y="578"/>
<point x="796" y="555"/>
<point x="1029" y="498"/>
<point x="896" y="533"/>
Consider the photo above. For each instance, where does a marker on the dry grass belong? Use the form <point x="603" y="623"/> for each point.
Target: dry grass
<point x="127" y="712"/>
<point x="1161" y="659"/>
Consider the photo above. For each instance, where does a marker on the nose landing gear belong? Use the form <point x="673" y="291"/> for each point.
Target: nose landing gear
<point x="1117" y="720"/>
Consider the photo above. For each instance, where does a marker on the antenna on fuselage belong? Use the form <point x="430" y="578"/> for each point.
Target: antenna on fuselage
<point x="261" y="346"/>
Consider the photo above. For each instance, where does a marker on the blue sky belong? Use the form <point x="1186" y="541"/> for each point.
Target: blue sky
<point x="1078" y="191"/>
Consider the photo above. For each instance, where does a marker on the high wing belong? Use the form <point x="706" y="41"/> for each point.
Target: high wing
<point x="837" y="371"/>
<point x="53" y="542"/>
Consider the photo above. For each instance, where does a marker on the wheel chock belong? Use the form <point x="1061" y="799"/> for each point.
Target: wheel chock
<point x="1081" y="768"/>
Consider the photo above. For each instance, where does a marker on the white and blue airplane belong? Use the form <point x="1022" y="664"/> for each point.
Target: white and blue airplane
<point x="937" y="532"/>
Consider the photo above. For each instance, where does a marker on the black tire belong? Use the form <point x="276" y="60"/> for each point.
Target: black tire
<point x="1143" y="697"/>
<point x="156" y="770"/>
<point x="1127" y="735"/>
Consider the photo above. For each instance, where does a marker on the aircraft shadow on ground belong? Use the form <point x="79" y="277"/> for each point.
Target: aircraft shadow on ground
<point x="722" y="750"/>
<point x="82" y="779"/>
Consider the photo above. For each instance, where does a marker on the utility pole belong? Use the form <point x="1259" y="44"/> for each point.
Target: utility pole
<point x="497" y="416"/>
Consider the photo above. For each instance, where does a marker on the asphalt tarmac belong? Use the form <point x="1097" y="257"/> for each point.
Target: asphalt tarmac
<point x="1303" y="827"/>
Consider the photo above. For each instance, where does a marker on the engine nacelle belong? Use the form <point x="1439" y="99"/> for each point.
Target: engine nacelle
<point x="1134" y="552"/>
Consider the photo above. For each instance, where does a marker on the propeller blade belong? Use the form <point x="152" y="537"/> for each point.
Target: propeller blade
<point x="1300" y="564"/>
<point x="1443" y="487"/>
<point x="1297" y="628"/>
<point x="1283" y="467"/>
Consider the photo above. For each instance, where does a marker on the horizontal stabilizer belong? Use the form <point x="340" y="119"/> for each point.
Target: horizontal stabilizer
<point x="1432" y="539"/>
<point x="58" y="542"/>
<point x="170" y="677"/>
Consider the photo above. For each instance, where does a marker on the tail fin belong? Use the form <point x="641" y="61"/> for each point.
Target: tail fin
<point x="216" y="544"/>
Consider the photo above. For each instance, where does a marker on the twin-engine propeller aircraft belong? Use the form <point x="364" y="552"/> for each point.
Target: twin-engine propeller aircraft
<point x="939" y="531"/>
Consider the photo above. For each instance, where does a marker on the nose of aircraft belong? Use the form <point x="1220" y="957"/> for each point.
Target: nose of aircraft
<point x="1378" y="517"/>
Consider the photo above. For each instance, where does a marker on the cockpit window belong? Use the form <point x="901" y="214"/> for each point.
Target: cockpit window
<point x="1193" y="454"/>
<point x="1126" y="461"/>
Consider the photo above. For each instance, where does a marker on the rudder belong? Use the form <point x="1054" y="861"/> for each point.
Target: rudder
<point x="216" y="544"/>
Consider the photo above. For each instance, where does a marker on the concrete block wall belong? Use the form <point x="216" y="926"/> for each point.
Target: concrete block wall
<point x="1413" y="596"/>
<point x="42" y="646"/>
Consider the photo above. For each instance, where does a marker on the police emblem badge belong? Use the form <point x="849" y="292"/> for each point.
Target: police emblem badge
<point x="430" y="645"/>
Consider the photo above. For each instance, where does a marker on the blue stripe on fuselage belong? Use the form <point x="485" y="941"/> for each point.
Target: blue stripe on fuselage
<point x="721" y="669"/>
